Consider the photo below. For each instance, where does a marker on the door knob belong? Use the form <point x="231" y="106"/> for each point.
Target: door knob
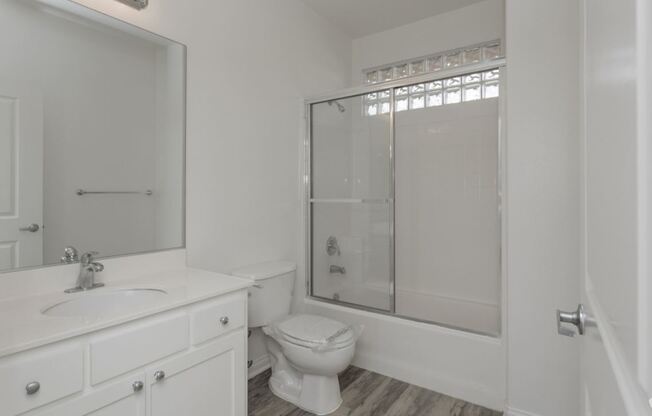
<point x="224" y="320"/>
<point x="159" y="375"/>
<point x="577" y="318"/>
<point x="32" y="228"/>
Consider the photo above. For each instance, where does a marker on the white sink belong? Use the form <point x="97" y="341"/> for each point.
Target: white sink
<point x="105" y="303"/>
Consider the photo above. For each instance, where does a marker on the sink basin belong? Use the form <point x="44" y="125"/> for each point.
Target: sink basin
<point x="114" y="302"/>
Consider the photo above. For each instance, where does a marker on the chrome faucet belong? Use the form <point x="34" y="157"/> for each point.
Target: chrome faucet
<point x="87" y="270"/>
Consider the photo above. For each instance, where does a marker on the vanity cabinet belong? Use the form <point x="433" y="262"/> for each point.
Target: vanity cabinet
<point x="186" y="361"/>
<point x="200" y="382"/>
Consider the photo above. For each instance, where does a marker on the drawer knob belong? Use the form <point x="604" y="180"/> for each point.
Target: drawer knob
<point x="159" y="375"/>
<point x="224" y="320"/>
<point x="33" y="387"/>
<point x="138" y="385"/>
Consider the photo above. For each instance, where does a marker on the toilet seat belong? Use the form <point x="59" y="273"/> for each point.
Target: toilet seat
<point x="312" y="331"/>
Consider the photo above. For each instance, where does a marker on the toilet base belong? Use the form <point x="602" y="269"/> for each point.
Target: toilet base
<point x="316" y="394"/>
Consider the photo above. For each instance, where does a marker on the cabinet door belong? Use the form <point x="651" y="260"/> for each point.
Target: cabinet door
<point x="123" y="398"/>
<point x="209" y="381"/>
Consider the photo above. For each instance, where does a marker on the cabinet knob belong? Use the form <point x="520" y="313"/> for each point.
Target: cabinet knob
<point x="33" y="387"/>
<point x="159" y="375"/>
<point x="224" y="320"/>
<point x="138" y="385"/>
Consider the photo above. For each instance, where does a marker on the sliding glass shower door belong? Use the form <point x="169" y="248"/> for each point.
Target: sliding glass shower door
<point x="447" y="202"/>
<point x="404" y="200"/>
<point x="350" y="204"/>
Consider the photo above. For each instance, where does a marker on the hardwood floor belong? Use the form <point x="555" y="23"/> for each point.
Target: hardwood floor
<point x="367" y="394"/>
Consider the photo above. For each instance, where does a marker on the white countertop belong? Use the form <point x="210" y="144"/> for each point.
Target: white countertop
<point x="23" y="326"/>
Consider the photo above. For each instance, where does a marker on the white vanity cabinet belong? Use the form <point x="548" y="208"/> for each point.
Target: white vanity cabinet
<point x="189" y="360"/>
<point x="204" y="382"/>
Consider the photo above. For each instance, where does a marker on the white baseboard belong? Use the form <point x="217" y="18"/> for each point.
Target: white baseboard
<point x="259" y="365"/>
<point x="510" y="411"/>
<point x="458" y="388"/>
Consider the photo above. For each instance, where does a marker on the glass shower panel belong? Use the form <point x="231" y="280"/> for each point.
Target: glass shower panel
<point x="350" y="148"/>
<point x="350" y="202"/>
<point x="447" y="223"/>
<point x="358" y="270"/>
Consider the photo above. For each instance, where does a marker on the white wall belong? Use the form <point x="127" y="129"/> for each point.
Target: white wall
<point x="480" y="22"/>
<point x="542" y="204"/>
<point x="250" y="65"/>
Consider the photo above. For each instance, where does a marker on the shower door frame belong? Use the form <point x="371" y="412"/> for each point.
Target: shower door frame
<point x="499" y="63"/>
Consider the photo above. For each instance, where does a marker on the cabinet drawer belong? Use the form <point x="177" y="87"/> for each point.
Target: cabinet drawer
<point x="131" y="346"/>
<point x="57" y="369"/>
<point x="119" y="398"/>
<point x="214" y="318"/>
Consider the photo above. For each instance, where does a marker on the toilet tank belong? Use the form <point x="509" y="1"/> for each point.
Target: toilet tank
<point x="271" y="297"/>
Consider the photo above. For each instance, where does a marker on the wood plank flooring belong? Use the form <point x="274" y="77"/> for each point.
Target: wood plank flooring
<point x="367" y="394"/>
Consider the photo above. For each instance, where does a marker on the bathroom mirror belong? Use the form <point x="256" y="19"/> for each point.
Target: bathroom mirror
<point x="92" y="135"/>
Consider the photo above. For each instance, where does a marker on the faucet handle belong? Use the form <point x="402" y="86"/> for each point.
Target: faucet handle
<point x="70" y="255"/>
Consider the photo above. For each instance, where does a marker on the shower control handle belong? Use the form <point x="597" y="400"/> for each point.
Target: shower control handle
<point x="332" y="246"/>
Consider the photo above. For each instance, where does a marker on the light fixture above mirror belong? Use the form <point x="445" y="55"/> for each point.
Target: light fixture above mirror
<point x="136" y="4"/>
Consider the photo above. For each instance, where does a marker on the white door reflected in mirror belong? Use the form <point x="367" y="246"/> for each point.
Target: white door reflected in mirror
<point x="21" y="175"/>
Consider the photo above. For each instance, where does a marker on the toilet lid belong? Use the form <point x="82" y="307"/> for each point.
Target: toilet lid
<point x="313" y="330"/>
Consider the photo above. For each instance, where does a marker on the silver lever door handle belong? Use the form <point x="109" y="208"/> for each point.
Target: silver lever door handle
<point x="577" y="318"/>
<point x="32" y="228"/>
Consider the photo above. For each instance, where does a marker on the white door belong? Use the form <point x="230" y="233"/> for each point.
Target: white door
<point x="21" y="176"/>
<point x="206" y="382"/>
<point x="616" y="349"/>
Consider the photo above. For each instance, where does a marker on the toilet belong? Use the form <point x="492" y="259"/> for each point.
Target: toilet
<point x="307" y="352"/>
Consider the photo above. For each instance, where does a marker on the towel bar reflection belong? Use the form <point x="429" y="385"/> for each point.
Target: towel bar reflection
<point x="81" y="192"/>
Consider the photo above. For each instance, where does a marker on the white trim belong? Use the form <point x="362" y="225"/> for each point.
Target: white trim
<point x="511" y="411"/>
<point x="631" y="392"/>
<point x="259" y="365"/>
<point x="644" y="176"/>
<point x="423" y="377"/>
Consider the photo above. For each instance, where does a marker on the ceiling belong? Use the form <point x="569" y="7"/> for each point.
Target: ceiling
<point x="363" y="17"/>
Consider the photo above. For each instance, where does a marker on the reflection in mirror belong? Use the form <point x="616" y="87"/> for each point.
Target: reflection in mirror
<point x="92" y="125"/>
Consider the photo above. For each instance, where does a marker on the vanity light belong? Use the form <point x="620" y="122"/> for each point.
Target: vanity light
<point x="137" y="4"/>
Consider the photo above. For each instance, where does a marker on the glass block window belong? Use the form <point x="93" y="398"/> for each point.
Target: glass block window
<point x="444" y="60"/>
<point x="454" y="90"/>
<point x="376" y="103"/>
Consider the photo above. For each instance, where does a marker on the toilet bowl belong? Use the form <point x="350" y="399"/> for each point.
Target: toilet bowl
<point x="305" y="362"/>
<point x="307" y="352"/>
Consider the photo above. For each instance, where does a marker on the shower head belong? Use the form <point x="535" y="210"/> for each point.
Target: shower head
<point x="340" y="107"/>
